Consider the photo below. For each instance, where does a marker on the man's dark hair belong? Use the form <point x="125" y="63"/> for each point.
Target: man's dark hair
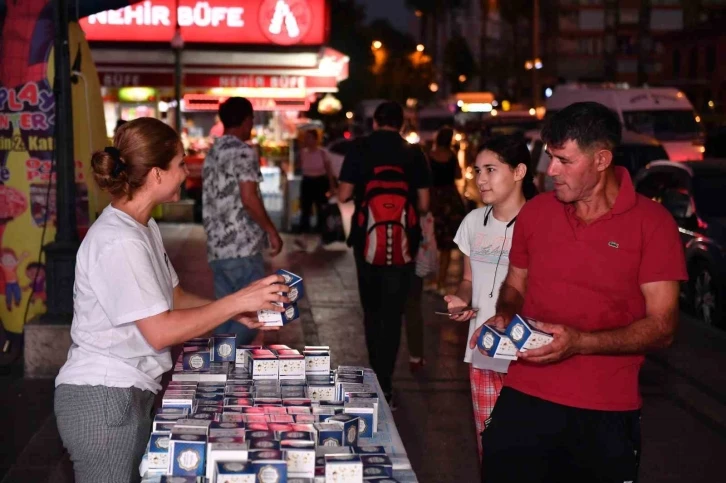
<point x="234" y="111"/>
<point x="389" y="114"/>
<point x="590" y="124"/>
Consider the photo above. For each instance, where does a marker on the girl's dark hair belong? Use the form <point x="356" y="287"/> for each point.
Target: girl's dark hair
<point x="444" y="137"/>
<point x="140" y="145"/>
<point x="512" y="150"/>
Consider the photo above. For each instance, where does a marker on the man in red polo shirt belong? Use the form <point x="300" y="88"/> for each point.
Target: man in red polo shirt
<point x="598" y="265"/>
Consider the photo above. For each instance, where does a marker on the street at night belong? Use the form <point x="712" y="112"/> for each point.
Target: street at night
<point x="353" y="241"/>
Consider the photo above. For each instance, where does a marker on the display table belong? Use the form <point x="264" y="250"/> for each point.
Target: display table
<point x="387" y="435"/>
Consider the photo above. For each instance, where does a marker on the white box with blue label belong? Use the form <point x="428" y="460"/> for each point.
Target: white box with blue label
<point x="296" y="286"/>
<point x="525" y="336"/>
<point x="496" y="344"/>
<point x="234" y="472"/>
<point x="272" y="318"/>
<point x="187" y="454"/>
<point x="159" y="450"/>
<point x="224" y="451"/>
<point x="224" y="348"/>
<point x="367" y="417"/>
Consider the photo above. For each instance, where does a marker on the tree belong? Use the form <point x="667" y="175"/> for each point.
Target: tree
<point x="458" y="61"/>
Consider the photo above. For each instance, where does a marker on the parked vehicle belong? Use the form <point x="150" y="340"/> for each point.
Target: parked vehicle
<point x="665" y="114"/>
<point x="634" y="152"/>
<point x="693" y="192"/>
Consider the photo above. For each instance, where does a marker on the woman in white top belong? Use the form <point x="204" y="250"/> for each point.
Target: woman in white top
<point x="485" y="238"/>
<point x="317" y="180"/>
<point x="129" y="308"/>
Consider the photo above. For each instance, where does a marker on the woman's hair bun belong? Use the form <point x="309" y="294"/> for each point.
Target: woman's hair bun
<point x="138" y="147"/>
<point x="103" y="165"/>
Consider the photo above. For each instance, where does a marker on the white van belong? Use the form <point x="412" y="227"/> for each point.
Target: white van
<point x="662" y="113"/>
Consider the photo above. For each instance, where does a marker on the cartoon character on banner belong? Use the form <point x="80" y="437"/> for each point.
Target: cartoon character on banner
<point x="9" y="262"/>
<point x="27" y="103"/>
<point x="35" y="271"/>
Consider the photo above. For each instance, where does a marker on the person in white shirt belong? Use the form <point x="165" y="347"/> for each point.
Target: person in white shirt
<point x="128" y="308"/>
<point x="485" y="238"/>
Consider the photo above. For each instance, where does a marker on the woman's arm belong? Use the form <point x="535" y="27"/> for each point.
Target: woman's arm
<point x="176" y="326"/>
<point x="186" y="300"/>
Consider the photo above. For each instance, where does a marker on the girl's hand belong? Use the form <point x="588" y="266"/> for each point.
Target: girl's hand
<point x="454" y="302"/>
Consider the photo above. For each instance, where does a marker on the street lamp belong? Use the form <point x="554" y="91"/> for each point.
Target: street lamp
<point x="462" y="78"/>
<point x="349" y="115"/>
<point x="377" y="44"/>
<point x="177" y="44"/>
<point x="420" y="48"/>
<point x="60" y="255"/>
<point x="433" y="87"/>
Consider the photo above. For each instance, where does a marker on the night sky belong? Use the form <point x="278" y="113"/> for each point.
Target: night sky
<point x="394" y="10"/>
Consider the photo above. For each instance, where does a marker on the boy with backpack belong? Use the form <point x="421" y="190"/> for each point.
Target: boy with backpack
<point x="389" y="180"/>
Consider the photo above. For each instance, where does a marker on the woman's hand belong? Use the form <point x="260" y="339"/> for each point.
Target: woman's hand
<point x="250" y="320"/>
<point x="261" y="294"/>
<point x="453" y="302"/>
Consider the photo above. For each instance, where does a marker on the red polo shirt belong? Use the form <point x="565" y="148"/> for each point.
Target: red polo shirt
<point x="588" y="276"/>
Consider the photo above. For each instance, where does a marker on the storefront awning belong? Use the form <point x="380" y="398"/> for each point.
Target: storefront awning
<point x="254" y="74"/>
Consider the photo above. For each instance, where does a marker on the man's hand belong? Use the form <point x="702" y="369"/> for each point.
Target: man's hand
<point x="452" y="303"/>
<point x="275" y="242"/>
<point x="249" y="319"/>
<point x="566" y="343"/>
<point x="498" y="321"/>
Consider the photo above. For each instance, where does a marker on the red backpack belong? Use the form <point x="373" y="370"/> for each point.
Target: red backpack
<point x="386" y="224"/>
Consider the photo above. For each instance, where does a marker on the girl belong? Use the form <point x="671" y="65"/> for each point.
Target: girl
<point x="485" y="238"/>
<point x="129" y="308"/>
<point x="317" y="180"/>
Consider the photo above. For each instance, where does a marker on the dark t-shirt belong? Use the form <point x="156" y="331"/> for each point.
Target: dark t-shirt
<point x="384" y="148"/>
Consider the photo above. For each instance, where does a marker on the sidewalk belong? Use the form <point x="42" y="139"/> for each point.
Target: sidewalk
<point x="434" y="416"/>
<point x="684" y="415"/>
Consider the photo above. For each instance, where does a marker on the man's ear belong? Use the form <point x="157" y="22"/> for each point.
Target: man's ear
<point x="603" y="159"/>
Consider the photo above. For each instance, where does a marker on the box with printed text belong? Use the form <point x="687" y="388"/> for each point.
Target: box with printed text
<point x="525" y="336"/>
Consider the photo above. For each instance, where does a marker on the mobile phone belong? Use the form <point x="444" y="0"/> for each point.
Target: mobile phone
<point x="457" y="311"/>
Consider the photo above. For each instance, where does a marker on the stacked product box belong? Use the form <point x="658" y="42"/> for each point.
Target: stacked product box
<point x="296" y="421"/>
<point x="520" y="336"/>
<point x="291" y="312"/>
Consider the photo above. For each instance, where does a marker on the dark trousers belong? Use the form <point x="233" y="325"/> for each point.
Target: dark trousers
<point x="530" y="440"/>
<point x="414" y="318"/>
<point x="383" y="292"/>
<point x="312" y="192"/>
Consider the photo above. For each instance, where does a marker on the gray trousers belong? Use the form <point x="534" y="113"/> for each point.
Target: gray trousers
<point x="105" y="430"/>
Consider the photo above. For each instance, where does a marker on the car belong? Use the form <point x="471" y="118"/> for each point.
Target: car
<point x="664" y="113"/>
<point x="693" y="192"/>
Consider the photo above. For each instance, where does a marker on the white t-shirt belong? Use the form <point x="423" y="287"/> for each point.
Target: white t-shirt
<point x="122" y="275"/>
<point x="484" y="245"/>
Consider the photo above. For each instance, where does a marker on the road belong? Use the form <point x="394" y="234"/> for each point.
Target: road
<point x="684" y="387"/>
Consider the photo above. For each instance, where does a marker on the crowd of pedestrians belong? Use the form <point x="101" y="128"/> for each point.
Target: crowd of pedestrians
<point x="590" y="262"/>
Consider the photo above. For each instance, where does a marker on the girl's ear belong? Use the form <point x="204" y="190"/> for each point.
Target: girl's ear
<point x="520" y="172"/>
